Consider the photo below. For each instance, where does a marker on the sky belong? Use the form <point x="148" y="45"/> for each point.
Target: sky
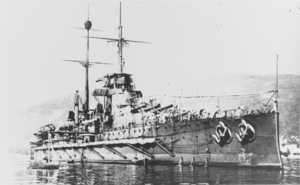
<point x="189" y="38"/>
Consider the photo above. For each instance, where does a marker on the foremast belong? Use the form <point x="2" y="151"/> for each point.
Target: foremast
<point x="88" y="26"/>
<point x="86" y="64"/>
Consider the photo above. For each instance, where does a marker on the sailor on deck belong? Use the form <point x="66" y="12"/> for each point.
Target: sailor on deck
<point x="128" y="114"/>
<point x="76" y="99"/>
<point x="264" y="108"/>
<point x="100" y="111"/>
<point x="201" y="114"/>
<point x="237" y="113"/>
<point x="76" y="107"/>
<point x="164" y="115"/>
<point x="274" y="106"/>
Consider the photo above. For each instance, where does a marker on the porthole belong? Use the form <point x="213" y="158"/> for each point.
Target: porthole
<point x="196" y="136"/>
<point x="183" y="137"/>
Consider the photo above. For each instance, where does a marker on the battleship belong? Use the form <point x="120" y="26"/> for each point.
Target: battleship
<point x="128" y="128"/>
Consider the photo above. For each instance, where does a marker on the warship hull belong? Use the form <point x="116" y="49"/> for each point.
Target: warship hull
<point x="189" y="142"/>
<point x="134" y="130"/>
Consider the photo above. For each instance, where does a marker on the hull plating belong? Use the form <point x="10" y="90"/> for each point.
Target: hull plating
<point x="187" y="141"/>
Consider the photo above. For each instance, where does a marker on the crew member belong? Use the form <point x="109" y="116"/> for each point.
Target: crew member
<point x="97" y="125"/>
<point x="128" y="114"/>
<point x="264" y="108"/>
<point x="76" y="99"/>
<point x="238" y="112"/>
<point x="274" y="110"/>
<point x="107" y="111"/>
<point x="100" y="111"/>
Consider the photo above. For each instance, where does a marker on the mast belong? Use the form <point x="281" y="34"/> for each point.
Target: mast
<point x="120" y="42"/>
<point x="277" y="115"/>
<point x="88" y="26"/>
<point x="86" y="64"/>
<point x="277" y="85"/>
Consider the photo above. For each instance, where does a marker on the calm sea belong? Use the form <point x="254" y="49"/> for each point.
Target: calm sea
<point x="88" y="173"/>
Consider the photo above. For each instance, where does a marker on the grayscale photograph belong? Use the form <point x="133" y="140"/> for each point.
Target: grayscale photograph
<point x="145" y="92"/>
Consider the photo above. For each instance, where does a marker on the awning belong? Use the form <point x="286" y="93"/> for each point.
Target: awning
<point x="112" y="75"/>
<point x="100" y="79"/>
<point x="103" y="92"/>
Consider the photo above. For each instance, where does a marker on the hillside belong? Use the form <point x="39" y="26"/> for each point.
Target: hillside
<point x="25" y="122"/>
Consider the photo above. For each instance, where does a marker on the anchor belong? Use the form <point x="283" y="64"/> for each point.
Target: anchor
<point x="223" y="134"/>
<point x="246" y="133"/>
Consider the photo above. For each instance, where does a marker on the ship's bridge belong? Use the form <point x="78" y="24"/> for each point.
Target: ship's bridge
<point x="116" y="83"/>
<point x="118" y="91"/>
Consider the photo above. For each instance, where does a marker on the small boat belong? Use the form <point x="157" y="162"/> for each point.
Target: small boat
<point x="44" y="165"/>
<point x="136" y="161"/>
<point x="70" y="161"/>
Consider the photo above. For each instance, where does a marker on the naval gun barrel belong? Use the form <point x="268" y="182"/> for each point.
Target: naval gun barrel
<point x="151" y="108"/>
<point x="182" y="114"/>
<point x="163" y="108"/>
<point x="48" y="125"/>
<point x="137" y="108"/>
<point x="185" y="113"/>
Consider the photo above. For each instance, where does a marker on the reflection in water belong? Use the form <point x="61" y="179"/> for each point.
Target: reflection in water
<point x="95" y="173"/>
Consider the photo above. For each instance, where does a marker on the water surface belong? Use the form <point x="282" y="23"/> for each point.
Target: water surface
<point x="95" y="173"/>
